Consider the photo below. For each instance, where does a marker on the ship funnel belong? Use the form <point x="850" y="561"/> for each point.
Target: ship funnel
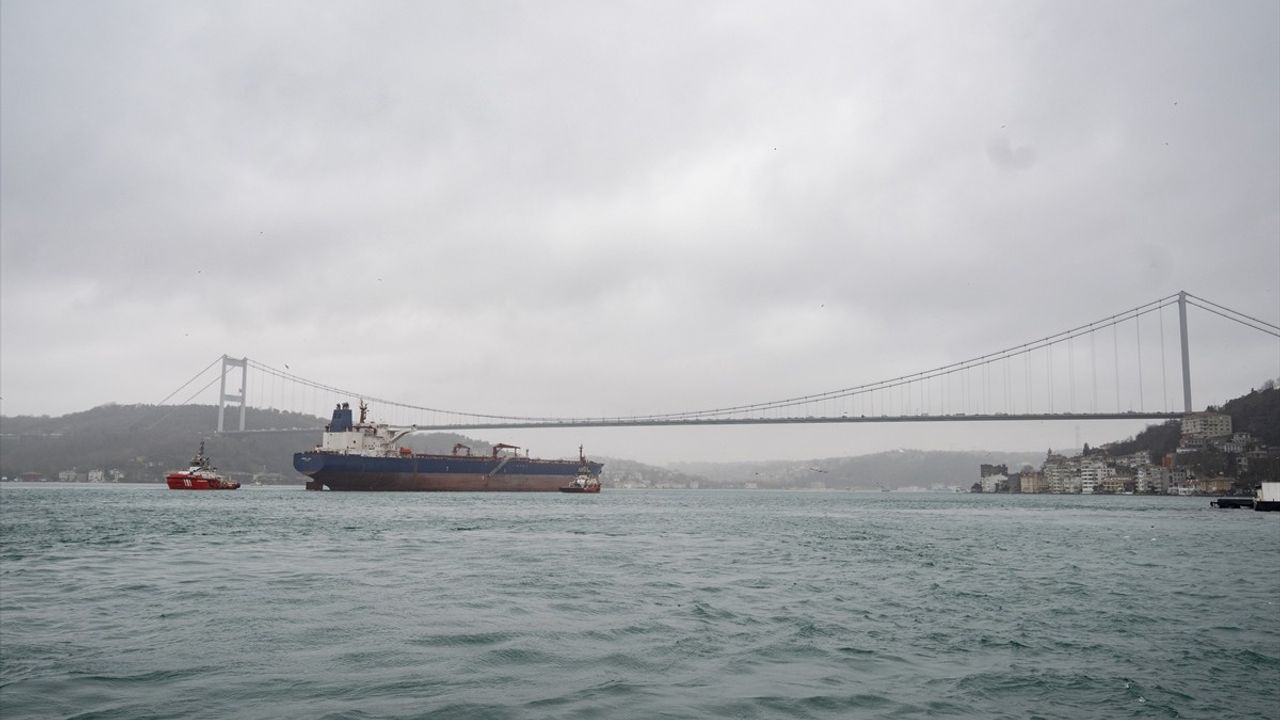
<point x="341" y="421"/>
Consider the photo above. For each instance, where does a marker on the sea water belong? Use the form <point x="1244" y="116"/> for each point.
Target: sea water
<point x="140" y="602"/>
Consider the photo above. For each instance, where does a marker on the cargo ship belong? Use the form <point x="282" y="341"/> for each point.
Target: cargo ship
<point x="364" y="456"/>
<point x="200" y="475"/>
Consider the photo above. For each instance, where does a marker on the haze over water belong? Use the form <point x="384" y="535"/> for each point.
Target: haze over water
<point x="138" y="602"/>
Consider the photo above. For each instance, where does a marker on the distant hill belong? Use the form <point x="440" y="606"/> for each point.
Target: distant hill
<point x="891" y="470"/>
<point x="618" y="472"/>
<point x="145" y="441"/>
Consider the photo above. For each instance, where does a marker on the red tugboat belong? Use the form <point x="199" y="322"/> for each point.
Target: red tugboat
<point x="200" y="476"/>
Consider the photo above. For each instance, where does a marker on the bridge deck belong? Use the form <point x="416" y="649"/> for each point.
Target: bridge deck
<point x="688" y="422"/>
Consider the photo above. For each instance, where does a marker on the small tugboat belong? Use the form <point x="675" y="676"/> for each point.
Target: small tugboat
<point x="582" y="484"/>
<point x="200" y="476"/>
<point x="588" y="478"/>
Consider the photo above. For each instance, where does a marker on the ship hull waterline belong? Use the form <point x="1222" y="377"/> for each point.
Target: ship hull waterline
<point x="364" y="482"/>
<point x="188" y="483"/>
<point x="434" y="474"/>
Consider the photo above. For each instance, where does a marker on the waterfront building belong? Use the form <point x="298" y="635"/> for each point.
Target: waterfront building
<point x="1033" y="482"/>
<point x="1191" y="443"/>
<point x="1133" y="460"/>
<point x="1116" y="483"/>
<point x="1092" y="471"/>
<point x="1152" y="479"/>
<point x="1181" y="482"/>
<point x="1237" y="444"/>
<point x="1206" y="425"/>
<point x="1220" y="485"/>
<point x="1057" y="471"/>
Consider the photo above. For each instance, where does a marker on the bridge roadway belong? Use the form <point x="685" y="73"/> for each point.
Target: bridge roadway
<point x="691" y="422"/>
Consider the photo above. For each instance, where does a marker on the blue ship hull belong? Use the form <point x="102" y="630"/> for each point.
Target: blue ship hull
<point x="427" y="473"/>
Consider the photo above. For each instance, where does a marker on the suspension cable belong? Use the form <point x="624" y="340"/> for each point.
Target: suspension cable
<point x="970" y="388"/>
<point x="165" y="416"/>
<point x="869" y="388"/>
<point x="193" y="379"/>
<point x="1234" y="312"/>
<point x="1266" y="329"/>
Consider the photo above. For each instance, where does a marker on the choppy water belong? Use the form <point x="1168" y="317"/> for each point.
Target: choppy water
<point x="138" y="602"/>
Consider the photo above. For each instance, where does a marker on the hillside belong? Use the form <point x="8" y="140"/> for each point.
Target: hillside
<point x="629" y="473"/>
<point x="891" y="470"/>
<point x="1257" y="413"/>
<point x="144" y="441"/>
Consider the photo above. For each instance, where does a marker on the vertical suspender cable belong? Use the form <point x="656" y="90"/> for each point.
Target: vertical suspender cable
<point x="1071" y="376"/>
<point x="1008" y="388"/>
<point x="1049" y="356"/>
<point x="1093" y="368"/>
<point x="1115" y="346"/>
<point x="1026" y="377"/>
<point x="1137" y="324"/>
<point x="986" y="388"/>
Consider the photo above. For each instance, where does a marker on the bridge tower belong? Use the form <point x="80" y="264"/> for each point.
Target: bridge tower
<point x="223" y="397"/>
<point x="1186" y="355"/>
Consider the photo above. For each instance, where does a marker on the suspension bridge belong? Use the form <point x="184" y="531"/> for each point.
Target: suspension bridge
<point x="1094" y="371"/>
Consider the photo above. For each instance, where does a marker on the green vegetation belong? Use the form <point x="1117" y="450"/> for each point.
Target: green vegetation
<point x="1257" y="413"/>
<point x="1156" y="440"/>
<point x="143" y="442"/>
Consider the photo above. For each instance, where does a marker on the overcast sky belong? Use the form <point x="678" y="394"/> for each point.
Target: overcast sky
<point x="617" y="208"/>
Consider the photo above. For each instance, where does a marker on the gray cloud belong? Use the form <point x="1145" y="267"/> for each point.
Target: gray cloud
<point x="1004" y="155"/>
<point x="616" y="209"/>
